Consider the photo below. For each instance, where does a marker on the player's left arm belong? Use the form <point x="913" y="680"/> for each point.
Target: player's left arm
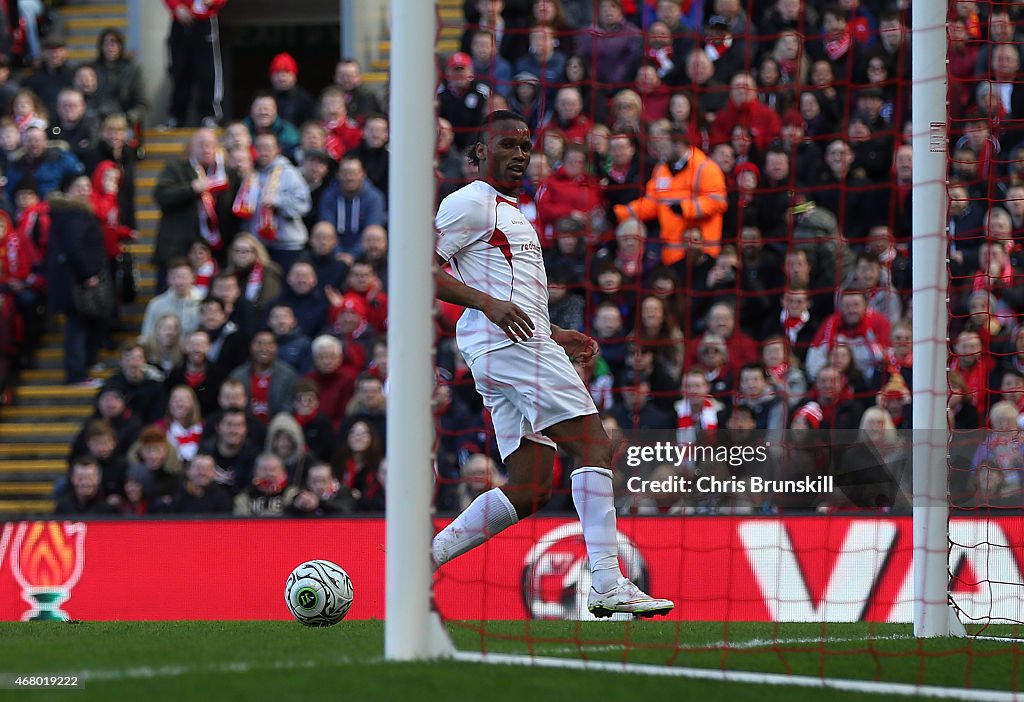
<point x="580" y="347"/>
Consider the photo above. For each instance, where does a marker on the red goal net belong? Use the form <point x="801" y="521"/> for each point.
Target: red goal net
<point x="722" y="191"/>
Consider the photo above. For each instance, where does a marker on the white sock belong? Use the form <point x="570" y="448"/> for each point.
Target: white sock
<point x="594" y="497"/>
<point x="489" y="514"/>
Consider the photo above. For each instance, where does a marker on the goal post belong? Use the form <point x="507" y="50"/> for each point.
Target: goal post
<point x="408" y="630"/>
<point x="930" y="282"/>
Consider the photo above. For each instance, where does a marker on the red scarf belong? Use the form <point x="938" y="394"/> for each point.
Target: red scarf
<point x="271" y="486"/>
<point x="342" y="136"/>
<point x="780" y="373"/>
<point x="259" y="395"/>
<point x="859" y="28"/>
<point x="18" y="254"/>
<point x="789" y="323"/>
<point x="976" y="379"/>
<point x="38" y="214"/>
<point x="254" y="283"/>
<point x="266" y="223"/>
<point x="715" y="48"/>
<point x="349" y="476"/>
<point x="984" y="281"/>
<point x="244" y="205"/>
<point x="686" y="432"/>
<point x="834" y="326"/>
<point x="209" y="223"/>
<point x="793" y="325"/>
<point x="661" y="59"/>
<point x="25" y="121"/>
<point x="205" y="275"/>
<point x="194" y="378"/>
<point x="633" y="266"/>
<point x="304" y="420"/>
<point x="836" y="48"/>
<point x="185" y="439"/>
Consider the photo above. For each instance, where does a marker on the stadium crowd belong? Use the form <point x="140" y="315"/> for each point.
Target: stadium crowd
<point x="723" y="195"/>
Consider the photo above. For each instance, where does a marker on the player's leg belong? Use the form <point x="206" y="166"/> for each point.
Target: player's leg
<point x="594" y="497"/>
<point x="527" y="490"/>
<point x="592" y="493"/>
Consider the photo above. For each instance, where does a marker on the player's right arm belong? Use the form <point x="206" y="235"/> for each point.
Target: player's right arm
<point x="461" y="222"/>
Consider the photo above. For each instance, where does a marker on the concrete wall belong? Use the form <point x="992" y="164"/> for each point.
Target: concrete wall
<point x="365" y="23"/>
<point x="148" y="26"/>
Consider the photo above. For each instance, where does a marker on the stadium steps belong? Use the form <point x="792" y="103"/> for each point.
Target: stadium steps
<point x="83" y="23"/>
<point x="36" y="431"/>
<point x="452" y="23"/>
<point x="11" y="451"/>
<point x="14" y="509"/>
<point x="26" y="489"/>
<point x="58" y="413"/>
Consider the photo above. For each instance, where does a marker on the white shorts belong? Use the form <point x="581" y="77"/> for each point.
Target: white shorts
<point x="529" y="387"/>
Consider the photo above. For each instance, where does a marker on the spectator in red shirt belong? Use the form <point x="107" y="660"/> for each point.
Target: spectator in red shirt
<point x="856" y="325"/>
<point x="335" y="380"/>
<point x="19" y="283"/>
<point x="722" y="322"/>
<point x="974" y="363"/>
<point x="343" y="133"/>
<point x="568" y="117"/>
<point x="743" y="108"/>
<point x="364" y="281"/>
<point x="572" y="192"/>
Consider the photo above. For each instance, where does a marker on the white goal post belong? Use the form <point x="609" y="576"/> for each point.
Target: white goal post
<point x="932" y="614"/>
<point x="409" y="633"/>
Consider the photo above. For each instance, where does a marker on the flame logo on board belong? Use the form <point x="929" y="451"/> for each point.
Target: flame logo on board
<point x="47" y="560"/>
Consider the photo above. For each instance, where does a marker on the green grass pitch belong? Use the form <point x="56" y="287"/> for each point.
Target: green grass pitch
<point x="285" y="661"/>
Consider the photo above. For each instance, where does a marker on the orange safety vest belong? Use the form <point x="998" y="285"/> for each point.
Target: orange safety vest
<point x="698" y="189"/>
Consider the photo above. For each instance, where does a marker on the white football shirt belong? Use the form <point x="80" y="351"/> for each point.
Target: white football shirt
<point x="492" y="248"/>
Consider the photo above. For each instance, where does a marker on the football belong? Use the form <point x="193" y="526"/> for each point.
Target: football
<point x="318" y="593"/>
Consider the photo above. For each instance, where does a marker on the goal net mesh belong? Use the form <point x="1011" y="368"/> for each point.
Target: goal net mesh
<point x="722" y="195"/>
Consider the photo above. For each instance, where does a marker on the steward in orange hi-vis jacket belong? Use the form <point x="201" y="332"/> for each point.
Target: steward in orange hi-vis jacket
<point x="687" y="191"/>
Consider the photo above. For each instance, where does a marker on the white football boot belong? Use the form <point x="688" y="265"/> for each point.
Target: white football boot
<point x="626" y="598"/>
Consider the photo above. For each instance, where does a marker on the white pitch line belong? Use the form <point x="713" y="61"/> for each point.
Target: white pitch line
<point x="864" y="686"/>
<point x="1004" y="639"/>
<point x="729" y="645"/>
<point x="175" y="671"/>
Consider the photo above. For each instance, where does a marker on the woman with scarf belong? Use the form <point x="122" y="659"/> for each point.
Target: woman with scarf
<point x="359" y="464"/>
<point x="259" y="278"/>
<point x="783" y="366"/>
